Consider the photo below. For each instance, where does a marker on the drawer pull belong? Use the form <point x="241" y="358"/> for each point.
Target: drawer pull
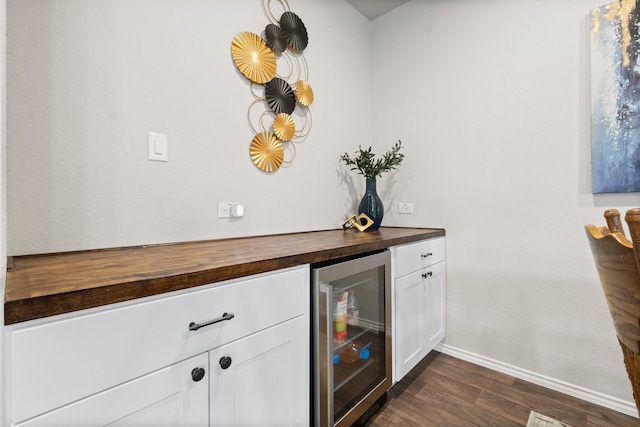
<point x="193" y="326"/>
<point x="428" y="254"/>
<point x="427" y="274"/>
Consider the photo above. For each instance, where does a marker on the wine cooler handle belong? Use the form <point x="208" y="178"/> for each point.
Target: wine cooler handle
<point x="193" y="326"/>
<point x="325" y="351"/>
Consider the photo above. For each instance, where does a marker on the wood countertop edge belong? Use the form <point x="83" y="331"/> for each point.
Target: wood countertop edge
<point x="30" y="307"/>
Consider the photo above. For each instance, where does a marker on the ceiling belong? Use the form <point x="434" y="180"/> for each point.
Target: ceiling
<point x="372" y="9"/>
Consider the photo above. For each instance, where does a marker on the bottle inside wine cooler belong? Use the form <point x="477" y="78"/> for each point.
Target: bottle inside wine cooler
<point x="340" y="317"/>
<point x="353" y="314"/>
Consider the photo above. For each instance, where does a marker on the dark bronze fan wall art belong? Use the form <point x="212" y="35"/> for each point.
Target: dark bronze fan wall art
<point x="275" y="38"/>
<point x="257" y="57"/>
<point x="280" y="96"/>
<point x="294" y="31"/>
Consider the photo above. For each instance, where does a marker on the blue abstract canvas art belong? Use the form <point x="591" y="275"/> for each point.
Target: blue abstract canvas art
<point x="615" y="98"/>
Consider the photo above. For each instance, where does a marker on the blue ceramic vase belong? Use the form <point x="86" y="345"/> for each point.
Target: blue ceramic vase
<point x="371" y="205"/>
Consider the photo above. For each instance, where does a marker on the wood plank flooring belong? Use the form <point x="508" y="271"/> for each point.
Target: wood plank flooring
<point x="444" y="391"/>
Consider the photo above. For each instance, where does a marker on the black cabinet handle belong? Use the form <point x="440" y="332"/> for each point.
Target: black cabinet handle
<point x="197" y="374"/>
<point x="225" y="362"/>
<point x="193" y="326"/>
<point x="428" y="254"/>
<point x="427" y="274"/>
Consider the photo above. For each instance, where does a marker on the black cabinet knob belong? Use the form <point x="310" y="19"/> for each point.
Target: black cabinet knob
<point x="197" y="374"/>
<point x="225" y="362"/>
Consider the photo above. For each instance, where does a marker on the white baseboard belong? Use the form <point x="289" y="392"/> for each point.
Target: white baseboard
<point x="613" y="403"/>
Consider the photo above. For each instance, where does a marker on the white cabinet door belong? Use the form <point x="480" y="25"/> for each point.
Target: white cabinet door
<point x="173" y="397"/>
<point x="420" y="316"/>
<point x="409" y="322"/>
<point x="434" y="303"/>
<point x="263" y="379"/>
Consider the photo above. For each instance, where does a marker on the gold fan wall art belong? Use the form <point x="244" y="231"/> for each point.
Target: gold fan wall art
<point x="257" y="59"/>
<point x="304" y="93"/>
<point x="284" y="127"/>
<point x="253" y="57"/>
<point x="266" y="152"/>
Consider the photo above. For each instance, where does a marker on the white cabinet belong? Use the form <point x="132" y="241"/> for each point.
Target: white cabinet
<point x="262" y="380"/>
<point x="419" y="302"/>
<point x="135" y="359"/>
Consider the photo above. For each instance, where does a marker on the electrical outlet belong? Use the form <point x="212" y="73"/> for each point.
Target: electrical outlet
<point x="405" y="208"/>
<point x="224" y="210"/>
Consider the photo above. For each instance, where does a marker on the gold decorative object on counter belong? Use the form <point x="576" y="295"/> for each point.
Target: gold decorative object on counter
<point x="257" y="59"/>
<point x="266" y="151"/>
<point x="253" y="57"/>
<point x="355" y="221"/>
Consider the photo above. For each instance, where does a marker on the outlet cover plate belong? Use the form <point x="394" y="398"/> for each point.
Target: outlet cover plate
<point x="405" y="208"/>
<point x="224" y="210"/>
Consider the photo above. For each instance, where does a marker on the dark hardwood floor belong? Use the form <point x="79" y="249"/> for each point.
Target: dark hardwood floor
<point x="444" y="391"/>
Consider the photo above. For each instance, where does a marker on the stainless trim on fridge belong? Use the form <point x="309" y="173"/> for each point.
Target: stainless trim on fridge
<point x="349" y="275"/>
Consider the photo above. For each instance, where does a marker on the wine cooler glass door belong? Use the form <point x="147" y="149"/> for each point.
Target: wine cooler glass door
<point x="356" y="337"/>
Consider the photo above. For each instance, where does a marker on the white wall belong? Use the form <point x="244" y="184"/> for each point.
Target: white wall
<point x="492" y="100"/>
<point x="88" y="79"/>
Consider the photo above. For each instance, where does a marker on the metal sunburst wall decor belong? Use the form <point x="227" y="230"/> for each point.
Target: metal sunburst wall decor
<point x="279" y="75"/>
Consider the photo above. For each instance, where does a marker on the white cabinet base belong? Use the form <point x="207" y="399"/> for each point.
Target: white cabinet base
<point x="131" y="364"/>
<point x="419" y="302"/>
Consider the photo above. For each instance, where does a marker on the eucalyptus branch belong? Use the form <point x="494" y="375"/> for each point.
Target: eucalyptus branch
<point x="365" y="162"/>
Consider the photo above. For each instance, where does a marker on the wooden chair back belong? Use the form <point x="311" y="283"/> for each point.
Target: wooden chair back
<point x="617" y="266"/>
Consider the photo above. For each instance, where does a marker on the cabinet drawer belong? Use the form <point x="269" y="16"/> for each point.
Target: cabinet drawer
<point x="57" y="362"/>
<point x="168" y="397"/>
<point x="415" y="256"/>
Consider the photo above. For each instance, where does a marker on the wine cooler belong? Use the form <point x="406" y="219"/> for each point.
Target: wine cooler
<point x="352" y="338"/>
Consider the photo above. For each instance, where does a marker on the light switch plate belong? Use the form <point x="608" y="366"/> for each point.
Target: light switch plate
<point x="158" y="147"/>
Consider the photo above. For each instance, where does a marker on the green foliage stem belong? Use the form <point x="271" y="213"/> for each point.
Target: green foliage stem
<point x="366" y="164"/>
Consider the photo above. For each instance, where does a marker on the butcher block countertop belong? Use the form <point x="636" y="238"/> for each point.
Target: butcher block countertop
<point x="49" y="284"/>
